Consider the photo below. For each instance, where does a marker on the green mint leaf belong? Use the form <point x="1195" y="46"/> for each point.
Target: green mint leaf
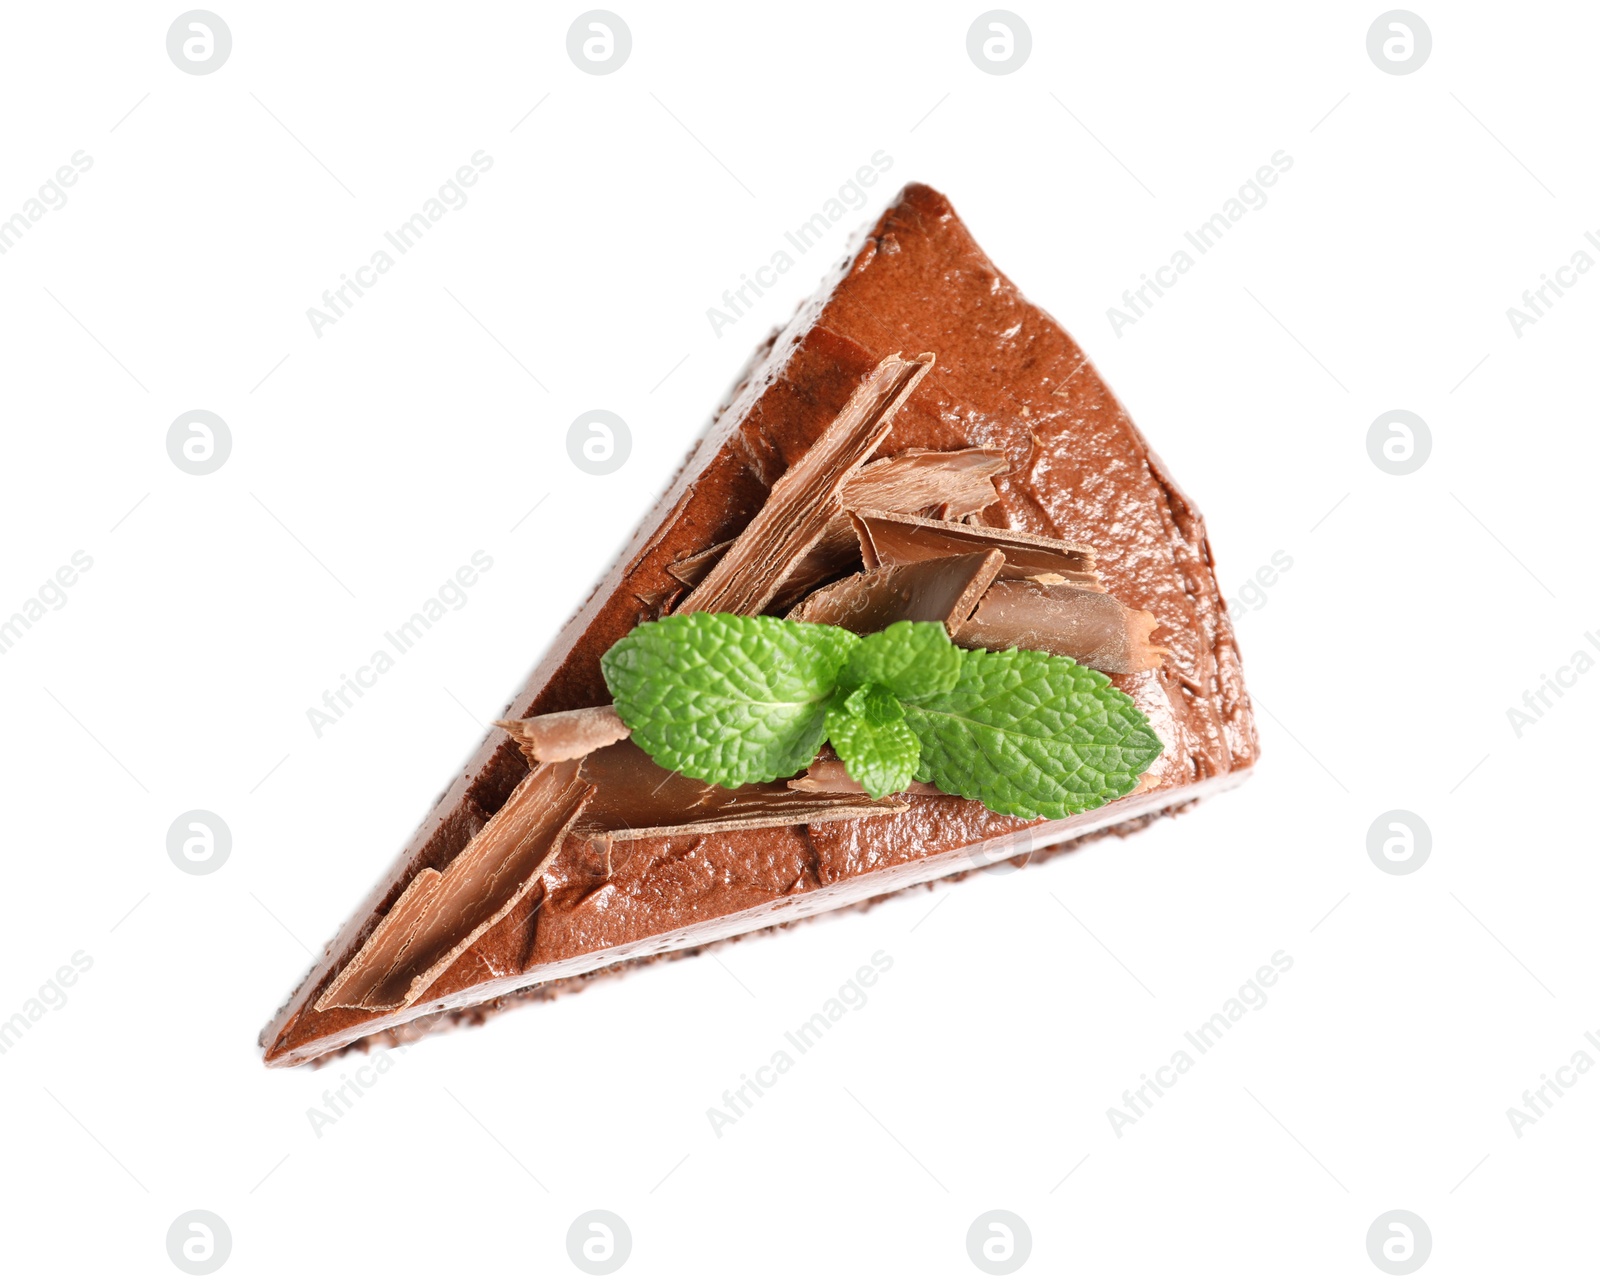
<point x="724" y="698"/>
<point x="869" y="733"/>
<point x="912" y="659"/>
<point x="1032" y="735"/>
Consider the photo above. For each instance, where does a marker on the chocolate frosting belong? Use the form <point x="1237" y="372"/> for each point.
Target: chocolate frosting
<point x="1007" y="378"/>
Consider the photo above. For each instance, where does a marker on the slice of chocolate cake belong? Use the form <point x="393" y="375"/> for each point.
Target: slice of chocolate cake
<point x="919" y="444"/>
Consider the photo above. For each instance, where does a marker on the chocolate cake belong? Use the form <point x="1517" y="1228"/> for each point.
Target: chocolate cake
<point x="919" y="443"/>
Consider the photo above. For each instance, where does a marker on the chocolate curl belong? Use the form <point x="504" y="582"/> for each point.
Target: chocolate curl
<point x="1067" y="620"/>
<point x="566" y="735"/>
<point x="808" y="497"/>
<point x="942" y="590"/>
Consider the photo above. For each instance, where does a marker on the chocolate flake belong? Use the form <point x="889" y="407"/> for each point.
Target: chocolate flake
<point x="634" y="799"/>
<point x="937" y="484"/>
<point x="915" y="481"/>
<point x="943" y="590"/>
<point x="692" y="570"/>
<point x="832" y="777"/>
<point x="808" y="496"/>
<point x="442" y="913"/>
<point x="566" y="735"/>
<point x="905" y="538"/>
<point x="1087" y="625"/>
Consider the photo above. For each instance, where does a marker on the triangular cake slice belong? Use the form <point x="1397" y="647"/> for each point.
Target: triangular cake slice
<point x="955" y="458"/>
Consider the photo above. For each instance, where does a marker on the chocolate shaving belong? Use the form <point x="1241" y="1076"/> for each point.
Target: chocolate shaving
<point x="443" y="913"/>
<point x="659" y="599"/>
<point x="943" y="590"/>
<point x="915" y="481"/>
<point x="566" y="735"/>
<point x="808" y="495"/>
<point x="1089" y="626"/>
<point x="936" y="484"/>
<point x="692" y="570"/>
<point x="832" y="777"/>
<point x="634" y="799"/>
<point x="905" y="538"/>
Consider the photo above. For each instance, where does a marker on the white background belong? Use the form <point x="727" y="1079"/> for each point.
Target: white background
<point x="369" y="463"/>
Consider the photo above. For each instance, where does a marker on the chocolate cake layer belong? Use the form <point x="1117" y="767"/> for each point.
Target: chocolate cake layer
<point x="1006" y="378"/>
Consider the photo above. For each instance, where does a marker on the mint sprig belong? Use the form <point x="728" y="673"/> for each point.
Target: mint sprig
<point x="733" y="700"/>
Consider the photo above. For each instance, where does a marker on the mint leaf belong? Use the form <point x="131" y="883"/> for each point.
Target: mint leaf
<point x="869" y="733"/>
<point x="1032" y="735"/>
<point x="727" y="699"/>
<point x="732" y="700"/>
<point x="912" y="659"/>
